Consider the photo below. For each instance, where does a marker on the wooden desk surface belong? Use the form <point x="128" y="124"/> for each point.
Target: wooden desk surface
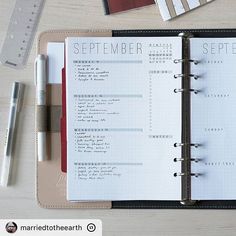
<point x="19" y="201"/>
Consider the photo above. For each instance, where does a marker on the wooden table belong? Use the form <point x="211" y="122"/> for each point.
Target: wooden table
<point x="19" y="201"/>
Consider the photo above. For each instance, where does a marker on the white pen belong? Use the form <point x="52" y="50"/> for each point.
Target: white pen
<point x="15" y="106"/>
<point x="41" y="81"/>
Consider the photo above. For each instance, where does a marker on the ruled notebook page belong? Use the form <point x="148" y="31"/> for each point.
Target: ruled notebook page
<point x="123" y="118"/>
<point x="214" y="118"/>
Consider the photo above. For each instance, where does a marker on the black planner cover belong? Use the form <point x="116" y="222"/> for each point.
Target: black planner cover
<point x="219" y="204"/>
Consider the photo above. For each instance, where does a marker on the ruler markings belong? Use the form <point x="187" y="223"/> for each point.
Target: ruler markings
<point x="21" y="32"/>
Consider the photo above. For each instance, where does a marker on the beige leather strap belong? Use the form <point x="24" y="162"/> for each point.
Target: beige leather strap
<point x="48" y="118"/>
<point x="41" y="118"/>
<point x="54" y="118"/>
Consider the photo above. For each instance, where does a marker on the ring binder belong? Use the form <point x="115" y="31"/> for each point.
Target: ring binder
<point x="186" y="202"/>
<point x="186" y="60"/>
<point x="183" y="75"/>
<point x="186" y="143"/>
<point x="186" y="90"/>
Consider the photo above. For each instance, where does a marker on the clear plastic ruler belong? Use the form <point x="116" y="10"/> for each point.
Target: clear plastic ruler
<point x="21" y="33"/>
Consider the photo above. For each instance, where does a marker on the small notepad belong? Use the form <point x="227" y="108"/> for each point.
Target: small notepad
<point x="172" y="8"/>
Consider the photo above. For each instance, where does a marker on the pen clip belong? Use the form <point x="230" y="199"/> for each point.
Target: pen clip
<point x="7" y="141"/>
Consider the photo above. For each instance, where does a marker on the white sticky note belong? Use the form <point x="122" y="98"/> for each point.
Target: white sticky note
<point x="55" y="52"/>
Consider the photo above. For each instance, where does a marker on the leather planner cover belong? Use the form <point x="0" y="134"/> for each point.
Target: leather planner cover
<point x="51" y="180"/>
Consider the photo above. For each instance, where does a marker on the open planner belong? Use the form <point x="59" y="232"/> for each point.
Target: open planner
<point x="140" y="119"/>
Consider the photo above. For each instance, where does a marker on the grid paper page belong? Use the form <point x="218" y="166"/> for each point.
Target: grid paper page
<point x="213" y="118"/>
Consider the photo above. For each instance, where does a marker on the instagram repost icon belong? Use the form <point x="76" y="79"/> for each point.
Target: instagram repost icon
<point x="11" y="227"/>
<point x="91" y="227"/>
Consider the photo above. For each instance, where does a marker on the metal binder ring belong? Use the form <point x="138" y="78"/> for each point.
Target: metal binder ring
<point x="184" y="60"/>
<point x="182" y="159"/>
<point x="183" y="75"/>
<point x="179" y="76"/>
<point x="193" y="76"/>
<point x="195" y="174"/>
<point x="178" y="159"/>
<point x="180" y="174"/>
<point x="179" y="144"/>
<point x="194" y="61"/>
<point x="196" y="145"/>
<point x="186" y="90"/>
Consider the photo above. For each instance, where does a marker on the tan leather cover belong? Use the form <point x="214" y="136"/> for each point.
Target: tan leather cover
<point x="51" y="181"/>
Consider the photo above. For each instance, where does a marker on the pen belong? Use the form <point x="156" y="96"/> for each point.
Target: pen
<point x="16" y="102"/>
<point x="41" y="81"/>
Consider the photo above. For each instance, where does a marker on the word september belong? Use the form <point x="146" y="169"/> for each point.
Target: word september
<point x="108" y="48"/>
<point x="219" y="48"/>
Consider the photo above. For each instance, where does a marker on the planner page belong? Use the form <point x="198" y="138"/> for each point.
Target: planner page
<point x="123" y="118"/>
<point x="214" y="118"/>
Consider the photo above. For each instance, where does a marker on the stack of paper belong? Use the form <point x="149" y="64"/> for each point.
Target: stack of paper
<point x="173" y="8"/>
